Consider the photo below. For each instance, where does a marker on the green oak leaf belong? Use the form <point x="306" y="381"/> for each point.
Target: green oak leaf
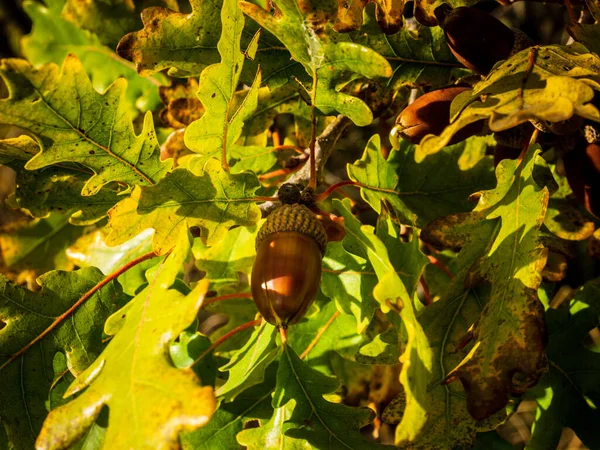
<point x="135" y="377"/>
<point x="229" y="257"/>
<point x="110" y="19"/>
<point x="398" y="267"/>
<point x="270" y="433"/>
<point x="568" y="395"/>
<point x="417" y="57"/>
<point x="322" y="423"/>
<point x="247" y="366"/>
<point x="445" y="322"/>
<point x="52" y="38"/>
<point x="258" y="159"/>
<point x="26" y="382"/>
<point x="231" y="417"/>
<point x="508" y="337"/>
<point x="91" y="250"/>
<point x="559" y="84"/>
<point x="183" y="43"/>
<point x="53" y="189"/>
<point x="214" y="200"/>
<point x="221" y="125"/>
<point x="74" y="123"/>
<point x="430" y="189"/>
<point x="38" y="245"/>
<point x="349" y="280"/>
<point x="326" y="55"/>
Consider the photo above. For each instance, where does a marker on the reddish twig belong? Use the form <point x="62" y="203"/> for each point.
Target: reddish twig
<point x="322" y="331"/>
<point x="226" y="336"/>
<point x="426" y="294"/>
<point x="79" y="302"/>
<point x="436" y="262"/>
<point x="220" y="298"/>
<point x="323" y="195"/>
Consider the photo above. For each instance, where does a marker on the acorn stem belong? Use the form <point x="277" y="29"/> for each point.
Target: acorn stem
<point x="283" y="334"/>
<point x="323" y="195"/>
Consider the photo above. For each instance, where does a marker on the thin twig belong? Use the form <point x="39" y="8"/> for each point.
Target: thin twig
<point x="226" y="336"/>
<point x="79" y="302"/>
<point x="323" y="195"/>
<point x="436" y="262"/>
<point x="322" y="331"/>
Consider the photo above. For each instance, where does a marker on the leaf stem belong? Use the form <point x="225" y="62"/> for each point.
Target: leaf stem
<point x="436" y="262"/>
<point x="79" y="302"/>
<point x="220" y="298"/>
<point x="321" y="332"/>
<point x="223" y="338"/>
<point x="323" y="195"/>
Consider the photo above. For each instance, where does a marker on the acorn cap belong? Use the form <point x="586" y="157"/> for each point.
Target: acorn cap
<point x="297" y="218"/>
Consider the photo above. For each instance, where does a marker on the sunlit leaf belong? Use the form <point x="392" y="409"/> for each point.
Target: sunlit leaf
<point x="74" y="123"/>
<point x="27" y="380"/>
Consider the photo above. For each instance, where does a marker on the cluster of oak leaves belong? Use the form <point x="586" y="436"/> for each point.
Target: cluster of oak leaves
<point x="129" y="367"/>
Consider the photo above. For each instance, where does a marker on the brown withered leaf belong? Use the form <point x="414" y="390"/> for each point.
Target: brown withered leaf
<point x="182" y="106"/>
<point x="387" y="12"/>
<point x="508" y="338"/>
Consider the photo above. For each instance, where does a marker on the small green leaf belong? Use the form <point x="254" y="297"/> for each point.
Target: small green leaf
<point x="247" y="366"/>
<point x="74" y="123"/>
<point x="214" y="201"/>
<point x="322" y="423"/>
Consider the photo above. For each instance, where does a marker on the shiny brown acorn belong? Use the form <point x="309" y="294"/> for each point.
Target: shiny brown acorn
<point x="430" y="114"/>
<point x="287" y="270"/>
<point x="582" y="167"/>
<point x="477" y="39"/>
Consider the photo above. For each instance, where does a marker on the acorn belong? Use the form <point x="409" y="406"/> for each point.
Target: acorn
<point x="477" y="39"/>
<point x="430" y="114"/>
<point x="582" y="168"/>
<point x="287" y="270"/>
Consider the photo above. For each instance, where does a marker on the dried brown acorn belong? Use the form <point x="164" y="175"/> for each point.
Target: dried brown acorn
<point x="430" y="114"/>
<point x="477" y="39"/>
<point x="287" y="270"/>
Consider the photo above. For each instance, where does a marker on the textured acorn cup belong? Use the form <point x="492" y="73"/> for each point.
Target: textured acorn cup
<point x="477" y="39"/>
<point x="287" y="270"/>
<point x="430" y="114"/>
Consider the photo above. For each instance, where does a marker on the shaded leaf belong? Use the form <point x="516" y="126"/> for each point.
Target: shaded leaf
<point x="508" y="338"/>
<point x="430" y="189"/>
<point x="74" y="123"/>
<point x="396" y="288"/>
<point x="388" y="13"/>
<point x="322" y="423"/>
<point x="182" y="43"/>
<point x="27" y="380"/>
<point x="38" y="245"/>
<point x="214" y="201"/>
<point x="134" y="376"/>
<point x="110" y="19"/>
<point x="417" y="57"/>
<point x="568" y="395"/>
<point x="309" y="37"/>
<point x="560" y="83"/>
